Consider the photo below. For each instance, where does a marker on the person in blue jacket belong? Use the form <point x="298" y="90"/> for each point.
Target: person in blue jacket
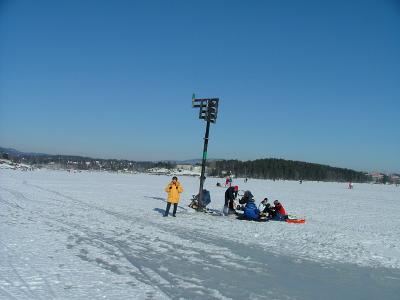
<point x="251" y="212"/>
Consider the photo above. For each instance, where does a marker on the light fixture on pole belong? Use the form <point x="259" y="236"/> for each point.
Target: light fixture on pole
<point x="208" y="111"/>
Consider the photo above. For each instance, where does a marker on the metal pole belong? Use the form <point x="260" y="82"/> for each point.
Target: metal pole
<point x="203" y="165"/>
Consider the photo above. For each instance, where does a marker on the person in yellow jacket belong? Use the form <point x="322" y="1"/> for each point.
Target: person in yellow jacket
<point x="174" y="189"/>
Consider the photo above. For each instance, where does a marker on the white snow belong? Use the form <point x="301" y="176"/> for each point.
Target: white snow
<point x="7" y="164"/>
<point x="100" y="235"/>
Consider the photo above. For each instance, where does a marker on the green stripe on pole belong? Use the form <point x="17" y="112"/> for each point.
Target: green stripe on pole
<point x="204" y="155"/>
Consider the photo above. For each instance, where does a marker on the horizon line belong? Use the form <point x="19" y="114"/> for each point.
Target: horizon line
<point x="185" y="160"/>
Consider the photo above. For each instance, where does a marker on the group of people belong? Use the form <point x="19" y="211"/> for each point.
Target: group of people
<point x="246" y="203"/>
<point x="250" y="210"/>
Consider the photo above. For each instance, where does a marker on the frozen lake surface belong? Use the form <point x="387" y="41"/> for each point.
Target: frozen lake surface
<point x="96" y="235"/>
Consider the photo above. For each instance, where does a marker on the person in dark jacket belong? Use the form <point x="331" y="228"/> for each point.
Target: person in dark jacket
<point x="277" y="212"/>
<point x="230" y="196"/>
<point x="266" y="211"/>
<point x="246" y="197"/>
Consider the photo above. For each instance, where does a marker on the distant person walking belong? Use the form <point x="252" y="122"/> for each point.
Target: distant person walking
<point x="174" y="189"/>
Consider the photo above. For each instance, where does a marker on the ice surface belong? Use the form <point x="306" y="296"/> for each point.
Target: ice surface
<point x="94" y="235"/>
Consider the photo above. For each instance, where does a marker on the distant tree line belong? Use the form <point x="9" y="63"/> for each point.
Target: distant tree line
<point x="269" y="168"/>
<point x="87" y="163"/>
<point x="272" y="168"/>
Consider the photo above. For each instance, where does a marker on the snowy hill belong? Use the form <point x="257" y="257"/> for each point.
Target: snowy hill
<point x="93" y="235"/>
<point x="8" y="164"/>
<point x="15" y="153"/>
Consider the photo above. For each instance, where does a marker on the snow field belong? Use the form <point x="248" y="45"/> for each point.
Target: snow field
<point x="100" y="235"/>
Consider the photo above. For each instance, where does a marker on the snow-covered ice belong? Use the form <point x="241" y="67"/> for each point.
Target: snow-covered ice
<point x="94" y="235"/>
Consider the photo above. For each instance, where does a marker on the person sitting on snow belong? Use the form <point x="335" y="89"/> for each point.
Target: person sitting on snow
<point x="251" y="212"/>
<point x="277" y="212"/>
<point x="246" y="197"/>
<point x="265" y="213"/>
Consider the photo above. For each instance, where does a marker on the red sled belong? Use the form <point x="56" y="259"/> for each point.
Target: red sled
<point x="296" y="221"/>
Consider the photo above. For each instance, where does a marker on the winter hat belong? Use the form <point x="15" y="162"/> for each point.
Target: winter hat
<point x="248" y="194"/>
<point x="236" y="188"/>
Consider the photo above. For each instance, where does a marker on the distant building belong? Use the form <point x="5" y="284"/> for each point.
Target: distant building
<point x="159" y="171"/>
<point x="376" y="176"/>
<point x="394" y="178"/>
<point x="186" y="167"/>
<point x="196" y="169"/>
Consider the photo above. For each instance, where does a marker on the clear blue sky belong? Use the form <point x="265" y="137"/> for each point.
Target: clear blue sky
<point x="315" y="81"/>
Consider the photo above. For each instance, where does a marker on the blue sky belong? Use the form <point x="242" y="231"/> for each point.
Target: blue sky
<point x="315" y="81"/>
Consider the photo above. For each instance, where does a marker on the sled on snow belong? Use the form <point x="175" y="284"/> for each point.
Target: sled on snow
<point x="295" y="220"/>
